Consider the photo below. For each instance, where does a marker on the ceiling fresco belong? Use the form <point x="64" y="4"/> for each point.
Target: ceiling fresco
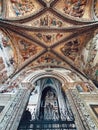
<point x="72" y="48"/>
<point x="22" y="8"/>
<point x="74" y="8"/>
<point x="25" y="48"/>
<point x="90" y="58"/>
<point x="0" y="7"/>
<point x="48" y="19"/>
<point x="48" y="58"/>
<point x="8" y="62"/>
<point x="49" y="38"/>
<point x="96" y="8"/>
<point x="50" y="32"/>
<point x="28" y="49"/>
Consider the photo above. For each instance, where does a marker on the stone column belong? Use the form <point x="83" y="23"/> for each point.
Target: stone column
<point x="15" y="111"/>
<point x="83" y="120"/>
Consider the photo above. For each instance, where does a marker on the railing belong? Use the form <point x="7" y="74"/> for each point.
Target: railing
<point x="47" y="125"/>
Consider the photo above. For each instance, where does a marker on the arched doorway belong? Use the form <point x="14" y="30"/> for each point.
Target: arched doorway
<point x="53" y="110"/>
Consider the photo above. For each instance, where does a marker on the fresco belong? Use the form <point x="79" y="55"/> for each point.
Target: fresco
<point x="90" y="58"/>
<point x="49" y="38"/>
<point x="7" y="52"/>
<point x="9" y="89"/>
<point x="1" y="7"/>
<point x="47" y="58"/>
<point x="74" y="77"/>
<point x="48" y="19"/>
<point x="24" y="7"/>
<point x="96" y="8"/>
<point x="85" y="87"/>
<point x="74" y="8"/>
<point x="27" y="49"/>
<point x="71" y="49"/>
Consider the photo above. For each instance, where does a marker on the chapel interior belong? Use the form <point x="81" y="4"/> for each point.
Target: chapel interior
<point x="48" y="64"/>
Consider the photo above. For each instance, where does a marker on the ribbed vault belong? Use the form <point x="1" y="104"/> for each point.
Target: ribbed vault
<point x="49" y="33"/>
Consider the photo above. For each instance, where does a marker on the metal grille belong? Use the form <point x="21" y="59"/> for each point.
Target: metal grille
<point x="47" y="125"/>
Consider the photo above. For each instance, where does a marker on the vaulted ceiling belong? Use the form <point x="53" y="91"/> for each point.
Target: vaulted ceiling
<point x="50" y="33"/>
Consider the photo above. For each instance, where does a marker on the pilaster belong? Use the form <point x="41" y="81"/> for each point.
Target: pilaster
<point x="83" y="119"/>
<point x="14" y="113"/>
